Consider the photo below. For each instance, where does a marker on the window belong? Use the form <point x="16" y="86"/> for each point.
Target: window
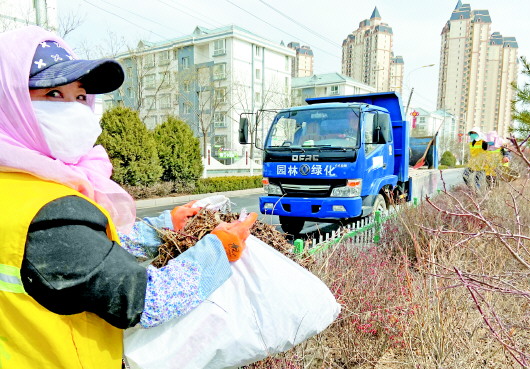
<point x="219" y="71"/>
<point x="165" y="101"/>
<point x="258" y="74"/>
<point x="219" y="120"/>
<point x="185" y="62"/>
<point x="186" y="108"/>
<point x="334" y="90"/>
<point x="149" y="103"/>
<point x="257" y="50"/>
<point x="149" y="60"/>
<point x="220" y="95"/>
<point x="220" y="140"/>
<point x="219" y="47"/>
<point x="257" y="97"/>
<point x="130" y="92"/>
<point x="369" y="146"/>
<point x="129" y="72"/>
<point x="163" y="57"/>
<point x="186" y="86"/>
<point x="150" y="81"/>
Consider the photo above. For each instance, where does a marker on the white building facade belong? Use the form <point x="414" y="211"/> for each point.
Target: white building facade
<point x="477" y="68"/>
<point x="208" y="79"/>
<point x="21" y="13"/>
<point x="367" y="55"/>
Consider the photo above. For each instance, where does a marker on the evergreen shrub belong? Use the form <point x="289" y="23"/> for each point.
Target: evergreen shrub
<point x="130" y="146"/>
<point x="178" y="150"/>
<point x="448" y="159"/>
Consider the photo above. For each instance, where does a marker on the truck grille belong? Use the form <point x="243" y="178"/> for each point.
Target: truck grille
<point x="315" y="188"/>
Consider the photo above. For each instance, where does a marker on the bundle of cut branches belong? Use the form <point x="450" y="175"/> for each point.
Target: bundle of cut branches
<point x="176" y="242"/>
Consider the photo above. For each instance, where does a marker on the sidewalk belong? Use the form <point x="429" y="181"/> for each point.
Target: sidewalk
<point x="163" y="201"/>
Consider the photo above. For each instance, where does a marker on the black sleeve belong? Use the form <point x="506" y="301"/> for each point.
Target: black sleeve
<point x="484" y="145"/>
<point x="71" y="266"/>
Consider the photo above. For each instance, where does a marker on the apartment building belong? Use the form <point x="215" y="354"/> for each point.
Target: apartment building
<point x="477" y="68"/>
<point x="367" y="55"/>
<point x="208" y="79"/>
<point x="328" y="84"/>
<point x="20" y="13"/>
<point x="302" y="63"/>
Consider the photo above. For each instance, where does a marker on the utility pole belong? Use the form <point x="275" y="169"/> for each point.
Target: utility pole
<point x="408" y="103"/>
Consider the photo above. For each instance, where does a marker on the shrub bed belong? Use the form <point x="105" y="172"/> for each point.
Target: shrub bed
<point x="202" y="185"/>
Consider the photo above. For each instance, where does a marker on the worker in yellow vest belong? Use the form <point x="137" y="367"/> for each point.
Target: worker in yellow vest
<point x="69" y="279"/>
<point x="487" y="153"/>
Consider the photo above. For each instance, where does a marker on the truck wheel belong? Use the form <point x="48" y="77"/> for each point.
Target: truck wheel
<point x="379" y="204"/>
<point x="291" y="225"/>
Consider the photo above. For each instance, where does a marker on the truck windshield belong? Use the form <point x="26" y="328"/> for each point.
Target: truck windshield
<point x="324" y="127"/>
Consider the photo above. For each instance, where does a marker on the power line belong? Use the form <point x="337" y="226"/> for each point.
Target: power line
<point x="334" y="43"/>
<point x="279" y="29"/>
<point x="187" y="13"/>
<point x="126" y="20"/>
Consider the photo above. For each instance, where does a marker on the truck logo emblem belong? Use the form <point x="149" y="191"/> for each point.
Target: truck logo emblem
<point x="304" y="169"/>
<point x="303" y="157"/>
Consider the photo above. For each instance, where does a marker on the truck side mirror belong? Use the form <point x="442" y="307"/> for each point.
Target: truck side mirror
<point x="243" y="131"/>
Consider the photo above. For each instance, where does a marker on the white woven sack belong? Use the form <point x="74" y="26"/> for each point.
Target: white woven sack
<point x="267" y="306"/>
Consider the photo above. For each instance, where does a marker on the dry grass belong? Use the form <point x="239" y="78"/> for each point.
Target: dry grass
<point x="446" y="287"/>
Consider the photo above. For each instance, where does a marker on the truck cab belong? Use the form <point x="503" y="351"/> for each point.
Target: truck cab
<point x="336" y="158"/>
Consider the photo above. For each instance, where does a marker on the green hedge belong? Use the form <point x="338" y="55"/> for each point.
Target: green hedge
<point x="201" y="186"/>
<point x="222" y="184"/>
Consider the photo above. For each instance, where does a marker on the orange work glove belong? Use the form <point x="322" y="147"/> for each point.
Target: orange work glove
<point x="505" y="159"/>
<point x="233" y="235"/>
<point x="181" y="214"/>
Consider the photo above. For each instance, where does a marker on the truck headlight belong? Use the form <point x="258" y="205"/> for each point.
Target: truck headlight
<point x="271" y="189"/>
<point x="352" y="189"/>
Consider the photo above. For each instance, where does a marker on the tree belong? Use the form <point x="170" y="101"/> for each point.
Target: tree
<point x="521" y="104"/>
<point x="205" y="94"/>
<point x="178" y="150"/>
<point x="272" y="95"/>
<point x="131" y="147"/>
<point x="448" y="159"/>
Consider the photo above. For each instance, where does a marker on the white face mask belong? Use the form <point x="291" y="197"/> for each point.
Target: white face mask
<point x="70" y="128"/>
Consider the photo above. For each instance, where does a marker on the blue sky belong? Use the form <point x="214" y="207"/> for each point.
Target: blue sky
<point x="322" y="25"/>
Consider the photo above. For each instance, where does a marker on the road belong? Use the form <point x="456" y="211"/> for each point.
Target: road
<point x="250" y="202"/>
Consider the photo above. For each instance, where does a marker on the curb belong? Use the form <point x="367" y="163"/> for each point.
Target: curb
<point x="173" y="200"/>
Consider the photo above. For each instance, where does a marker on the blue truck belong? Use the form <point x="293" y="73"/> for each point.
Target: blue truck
<point x="337" y="158"/>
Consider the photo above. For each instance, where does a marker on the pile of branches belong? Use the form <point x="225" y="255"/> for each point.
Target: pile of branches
<point x="176" y="242"/>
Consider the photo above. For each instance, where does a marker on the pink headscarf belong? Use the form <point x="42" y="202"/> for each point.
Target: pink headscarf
<point x="22" y="144"/>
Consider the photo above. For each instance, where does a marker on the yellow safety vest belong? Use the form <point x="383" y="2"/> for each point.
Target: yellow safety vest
<point x="486" y="160"/>
<point x="32" y="337"/>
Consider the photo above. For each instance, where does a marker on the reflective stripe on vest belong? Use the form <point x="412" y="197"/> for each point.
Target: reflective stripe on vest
<point x="10" y="279"/>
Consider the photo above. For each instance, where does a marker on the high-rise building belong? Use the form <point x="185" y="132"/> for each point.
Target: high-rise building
<point x="477" y="68"/>
<point x="208" y="78"/>
<point x="367" y="55"/>
<point x="302" y="63"/>
<point x="20" y="13"/>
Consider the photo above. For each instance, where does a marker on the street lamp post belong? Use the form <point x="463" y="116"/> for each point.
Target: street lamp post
<point x="408" y="84"/>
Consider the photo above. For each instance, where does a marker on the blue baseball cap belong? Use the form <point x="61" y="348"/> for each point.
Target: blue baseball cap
<point x="53" y="66"/>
